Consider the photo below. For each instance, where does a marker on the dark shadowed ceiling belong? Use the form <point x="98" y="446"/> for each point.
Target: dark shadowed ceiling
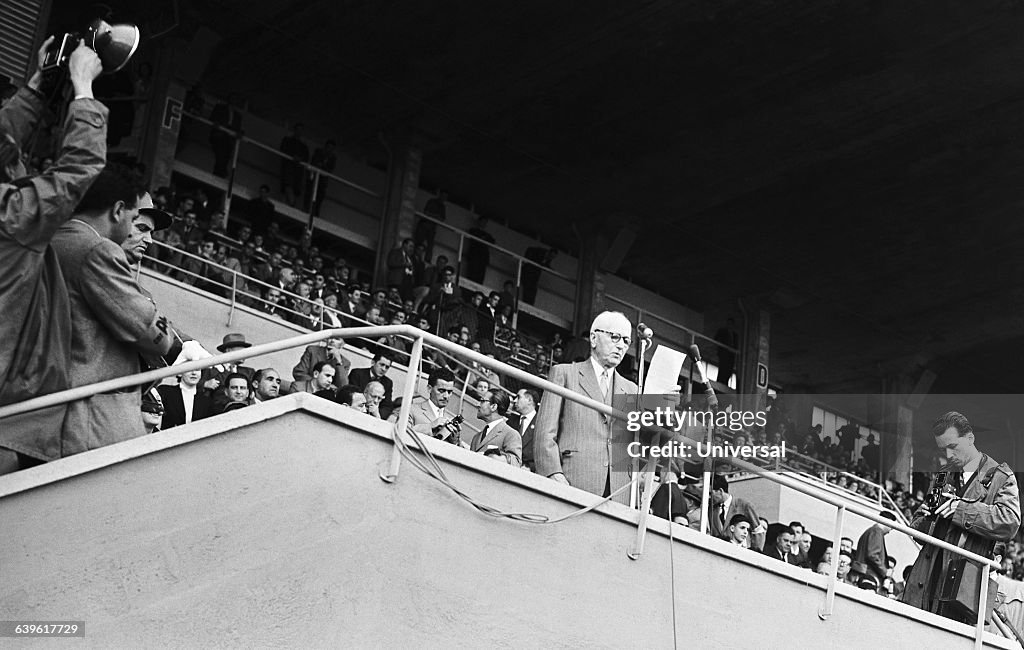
<point x="855" y="166"/>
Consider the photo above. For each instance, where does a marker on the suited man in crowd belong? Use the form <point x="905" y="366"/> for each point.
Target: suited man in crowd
<point x="572" y="443"/>
<point x="186" y="402"/>
<point x="377" y="371"/>
<point x="781" y="549"/>
<point x="724" y="507"/>
<point x="497" y="439"/>
<point x="526" y="423"/>
<point x="333" y="352"/>
<point x="322" y="381"/>
<point x="214" y="380"/>
<point x="430" y="416"/>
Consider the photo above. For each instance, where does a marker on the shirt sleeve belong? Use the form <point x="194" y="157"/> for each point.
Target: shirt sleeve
<point x="116" y="300"/>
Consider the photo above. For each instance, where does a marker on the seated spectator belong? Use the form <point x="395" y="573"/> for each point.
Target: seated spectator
<point x="374" y="400"/>
<point x="683" y="501"/>
<point x="186" y="402"/>
<point x="333" y="351"/>
<point x="429" y="416"/>
<point x="214" y="379"/>
<point x="497" y="439"/>
<point x="846" y="546"/>
<point x="781" y="550"/>
<point x="272" y="302"/>
<point x="266" y="385"/>
<point x="393" y="343"/>
<point x="726" y="506"/>
<point x="804" y="544"/>
<point x="738" y="531"/>
<point x="269" y="271"/>
<point x="350" y="396"/>
<point x="152" y="410"/>
<point x="845" y="563"/>
<point x="377" y="371"/>
<point x="322" y="380"/>
<point x="327" y="316"/>
<point x="236" y="391"/>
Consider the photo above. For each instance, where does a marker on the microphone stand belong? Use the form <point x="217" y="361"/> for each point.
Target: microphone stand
<point x="634" y="492"/>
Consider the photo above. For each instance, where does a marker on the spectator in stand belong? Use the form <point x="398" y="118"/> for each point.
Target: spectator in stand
<point x="285" y="279"/>
<point x="846" y="545"/>
<point x="497" y="439"/>
<point x="236" y="391"/>
<point x="186" y="402"/>
<point x="328" y="317"/>
<point x="322" y="380"/>
<point x="261" y="211"/>
<point x="420" y="283"/>
<point x="332" y="351"/>
<point x="112" y="320"/>
<point x="266" y="385"/>
<point x="350" y="396"/>
<point x="429" y="416"/>
<point x="798" y="531"/>
<point x="507" y="297"/>
<point x="781" y="550"/>
<point x="272" y="302"/>
<point x="530" y="277"/>
<point x="375" y="400"/>
<point x="870" y="455"/>
<point x="738" y="531"/>
<point x="724" y="506"/>
<point x="845" y="563"/>
<point x="870" y="562"/>
<point x="226" y="116"/>
<point x="326" y="159"/>
<point x="488" y="317"/>
<point x="376" y="371"/>
<point x="478" y="253"/>
<point x="152" y="411"/>
<point x="268" y="272"/>
<point x="394" y="344"/>
<point x="293" y="170"/>
<point x="526" y="423"/>
<point x="302" y="307"/>
<point x="427" y="229"/>
<point x="804" y="550"/>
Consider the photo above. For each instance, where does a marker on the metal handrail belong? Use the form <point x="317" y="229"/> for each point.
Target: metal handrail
<point x="422" y="337"/>
<point x="396" y="353"/>
<point x="691" y="332"/>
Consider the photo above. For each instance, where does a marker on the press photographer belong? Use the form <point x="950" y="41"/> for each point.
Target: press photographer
<point x="35" y="331"/>
<point x="974" y="505"/>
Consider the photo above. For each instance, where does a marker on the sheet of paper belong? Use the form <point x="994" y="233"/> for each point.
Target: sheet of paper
<point x="663" y="371"/>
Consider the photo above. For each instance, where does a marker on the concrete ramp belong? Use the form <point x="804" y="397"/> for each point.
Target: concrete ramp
<point x="269" y="527"/>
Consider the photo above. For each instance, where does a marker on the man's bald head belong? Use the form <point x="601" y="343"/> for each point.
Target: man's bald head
<point x="610" y="338"/>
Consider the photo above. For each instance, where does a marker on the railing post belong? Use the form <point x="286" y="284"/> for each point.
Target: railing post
<point x="645" y="506"/>
<point x="231" y="177"/>
<point x="979" y="631"/>
<point x="411" y="379"/>
<point x="458" y="264"/>
<point x="312" y="196"/>
<point x="234" y="289"/>
<point x="519" y="281"/>
<point x="830" y="594"/>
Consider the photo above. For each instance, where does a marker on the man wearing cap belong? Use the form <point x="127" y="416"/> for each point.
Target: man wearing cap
<point x="215" y="379"/>
<point x="152" y="410"/>
<point x="112" y="320"/>
<point x="35" y="330"/>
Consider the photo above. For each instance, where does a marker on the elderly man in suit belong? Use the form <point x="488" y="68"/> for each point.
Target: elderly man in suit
<point x="112" y="321"/>
<point x="573" y="443"/>
<point x="184" y="403"/>
<point x="497" y="439"/>
<point x="331" y="351"/>
<point x="429" y="417"/>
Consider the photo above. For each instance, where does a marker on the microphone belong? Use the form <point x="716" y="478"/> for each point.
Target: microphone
<point x="644" y="332"/>
<point x="703" y="378"/>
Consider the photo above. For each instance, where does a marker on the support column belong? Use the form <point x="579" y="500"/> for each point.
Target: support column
<point x="161" y="135"/>
<point x="590" y="281"/>
<point x="399" y="218"/>
<point x="753" y="367"/>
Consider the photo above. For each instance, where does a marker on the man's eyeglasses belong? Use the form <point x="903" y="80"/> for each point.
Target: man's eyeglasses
<point x="616" y="338"/>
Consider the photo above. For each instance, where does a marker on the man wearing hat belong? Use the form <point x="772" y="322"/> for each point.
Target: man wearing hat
<point x="214" y="379"/>
<point x="149" y="220"/>
<point x="152" y="410"/>
<point x="35" y="330"/>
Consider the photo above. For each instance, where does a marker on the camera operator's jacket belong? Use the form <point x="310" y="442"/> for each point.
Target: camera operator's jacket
<point x="993" y="517"/>
<point x="35" y="318"/>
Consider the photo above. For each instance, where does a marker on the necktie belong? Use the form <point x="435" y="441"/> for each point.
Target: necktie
<point x="721" y="514"/>
<point x="604" y="383"/>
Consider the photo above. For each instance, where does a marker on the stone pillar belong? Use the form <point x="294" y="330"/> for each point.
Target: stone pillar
<point x="399" y="217"/>
<point x="753" y="367"/>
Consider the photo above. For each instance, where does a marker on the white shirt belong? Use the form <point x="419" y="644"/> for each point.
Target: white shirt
<point x="436" y="410"/>
<point x="524" y="422"/>
<point x="188" y="398"/>
<point x="598" y="369"/>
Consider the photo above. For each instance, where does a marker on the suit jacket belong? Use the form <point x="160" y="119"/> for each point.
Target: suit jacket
<point x="398" y="262"/>
<point x="112" y="321"/>
<point x="174" y="406"/>
<point x="314" y="354"/>
<point x="505" y="438"/>
<point x="773" y="552"/>
<point x="871" y="553"/>
<point x="737" y="506"/>
<point x="361" y="377"/>
<point x="528" y="437"/>
<point x="573" y="439"/>
<point x="421" y="417"/>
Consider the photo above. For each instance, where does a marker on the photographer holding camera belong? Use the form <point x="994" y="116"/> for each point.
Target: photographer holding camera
<point x="979" y="508"/>
<point x="35" y="330"/>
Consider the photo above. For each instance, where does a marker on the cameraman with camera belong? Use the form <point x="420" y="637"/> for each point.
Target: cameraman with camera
<point x="35" y="329"/>
<point x="978" y="506"/>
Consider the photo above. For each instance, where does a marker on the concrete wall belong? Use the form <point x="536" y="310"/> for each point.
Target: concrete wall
<point x="269" y="526"/>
